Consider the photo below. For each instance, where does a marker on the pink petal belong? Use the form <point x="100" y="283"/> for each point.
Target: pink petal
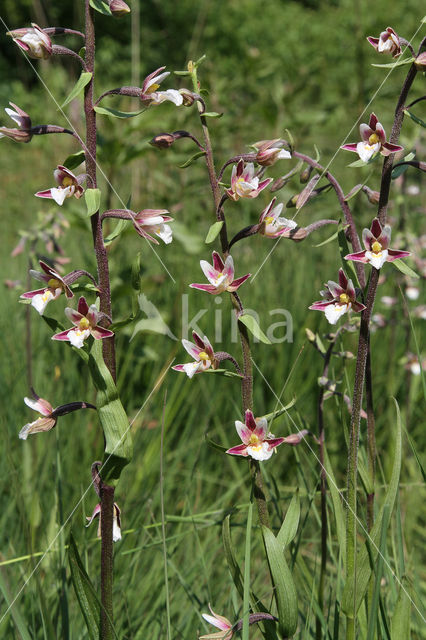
<point x="192" y="349"/>
<point x="261" y="428"/>
<point x="205" y="287"/>
<point x="334" y="288"/>
<point x="319" y="306"/>
<point x="393" y="254"/>
<point x="350" y="147"/>
<point x="210" y="272"/>
<point x="376" y="228"/>
<point x="178" y="367"/>
<point x="99" y="333"/>
<point x="385" y="236"/>
<point x="373" y="41"/>
<point x="373" y="121"/>
<point x="228" y="268"/>
<point x="381" y="133"/>
<point x="42" y="406"/>
<point x="73" y="315"/>
<point x="392" y="148"/>
<point x="358" y="306"/>
<point x="82" y="306"/>
<point x="218" y="263"/>
<point x="198" y="341"/>
<point x="238" y="282"/>
<point x="44" y="194"/>
<point x="243" y="431"/>
<point x="63" y="335"/>
<point x="357" y="257"/>
<point x="249" y="420"/>
<point x="31" y="294"/>
<point x="343" y="281"/>
<point x="239" y="450"/>
<point x="144" y="234"/>
<point x="365" y="131"/>
<point x="274" y="442"/>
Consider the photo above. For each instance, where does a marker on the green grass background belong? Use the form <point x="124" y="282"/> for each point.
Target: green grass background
<point x="300" y="66"/>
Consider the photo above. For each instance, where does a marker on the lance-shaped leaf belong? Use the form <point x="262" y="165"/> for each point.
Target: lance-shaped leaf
<point x="84" y="590"/>
<point x="113" y="418"/>
<point x="101" y="6"/>
<point x="214" y="231"/>
<point x="83" y="80"/>
<point x="74" y="160"/>
<point x="252" y="325"/>
<point x="289" y="527"/>
<point x="93" y="201"/>
<point x="115" y="113"/>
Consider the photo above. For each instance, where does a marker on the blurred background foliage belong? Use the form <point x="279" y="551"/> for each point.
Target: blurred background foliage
<point x="301" y="66"/>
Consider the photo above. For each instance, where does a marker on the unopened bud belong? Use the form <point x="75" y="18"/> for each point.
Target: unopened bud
<point x="163" y="140"/>
<point x="296" y="438"/>
<point x="305" y="175"/>
<point x="310" y="335"/>
<point x="119" y="8"/>
<point x="278" y="184"/>
<point x="292" y="202"/>
<point x="372" y="196"/>
<point x="420" y="61"/>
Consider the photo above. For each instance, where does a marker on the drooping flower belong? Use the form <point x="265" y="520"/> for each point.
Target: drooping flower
<point x="116" y="522"/>
<point x="244" y="184"/>
<point x="119" y="8"/>
<point x="373" y="141"/>
<point x="23" y="120"/>
<point x="49" y="416"/>
<point x="55" y="286"/>
<point x="220" y="622"/>
<point x="339" y="298"/>
<point x="257" y="441"/>
<point x="149" y="94"/>
<point x="69" y="185"/>
<point x="269" y="151"/>
<point x="203" y="354"/>
<point x="86" y="323"/>
<point x="387" y="42"/>
<point x="270" y="223"/>
<point x="376" y="241"/>
<point x="33" y="40"/>
<point x="220" y="275"/>
<point x="153" y="221"/>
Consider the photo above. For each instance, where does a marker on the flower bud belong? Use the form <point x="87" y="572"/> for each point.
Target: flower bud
<point x="119" y="8"/>
<point x="372" y="196"/>
<point x="305" y="175"/>
<point x="34" y="41"/>
<point x="420" y="61"/>
<point x="163" y="140"/>
<point x="292" y="202"/>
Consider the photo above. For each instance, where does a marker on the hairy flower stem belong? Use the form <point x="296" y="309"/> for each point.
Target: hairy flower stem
<point x="107" y="493"/>
<point x="363" y="347"/>
<point x="371" y="440"/>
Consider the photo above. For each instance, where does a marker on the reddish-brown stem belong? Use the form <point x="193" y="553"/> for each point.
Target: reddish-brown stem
<point x="62" y="31"/>
<point x="371" y="440"/>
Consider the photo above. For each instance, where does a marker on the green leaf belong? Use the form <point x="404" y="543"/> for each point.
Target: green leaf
<point x="404" y="268"/>
<point x="247" y="559"/>
<point x="215" y="445"/>
<point x="113" y="418"/>
<point x="317" y="153"/>
<point x="330" y="239"/>
<point x="223" y="372"/>
<point x="19" y="623"/>
<point x="85" y="591"/>
<point x="118" y="230"/>
<point x="84" y="79"/>
<point x="339" y="514"/>
<point x="101" y="6"/>
<point x="398" y="171"/>
<point x="400" y="624"/>
<point x="284" y="588"/>
<point x="93" y="201"/>
<point x="374" y="605"/>
<point x="192" y="159"/>
<point x="290" y="140"/>
<point x="275" y="414"/>
<point x="114" y="113"/>
<point x="392" y="65"/>
<point x="288" y="530"/>
<point x="348" y="265"/>
<point x="230" y="556"/>
<point x="74" y="160"/>
<point x="351" y="600"/>
<point x="251" y="323"/>
<point x="212" y="114"/>
<point x="182" y="73"/>
<point x="214" y="231"/>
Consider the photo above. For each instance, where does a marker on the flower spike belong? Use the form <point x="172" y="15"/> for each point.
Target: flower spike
<point x="376" y="241"/>
<point x="86" y="323"/>
<point x="373" y="141"/>
<point x="220" y="275"/>
<point x="339" y="298"/>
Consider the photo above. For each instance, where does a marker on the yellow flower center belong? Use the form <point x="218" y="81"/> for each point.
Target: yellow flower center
<point x="254" y="440"/>
<point x="373" y="139"/>
<point x="203" y="356"/>
<point x="152" y="88"/>
<point x="83" y="324"/>
<point x="344" y="298"/>
<point x="67" y="182"/>
<point x="269" y="220"/>
<point x="376" y="247"/>
<point x="54" y="283"/>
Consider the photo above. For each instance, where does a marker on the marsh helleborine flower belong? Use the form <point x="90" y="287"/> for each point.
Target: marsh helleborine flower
<point x="387" y="42"/>
<point x="373" y="141"/>
<point x="55" y="286"/>
<point x="220" y="275"/>
<point x="244" y="184"/>
<point x="153" y="221"/>
<point x="69" y="185"/>
<point x="116" y="521"/>
<point x="33" y="40"/>
<point x="339" y="298"/>
<point x="257" y="441"/>
<point x="376" y="241"/>
<point x="86" y="323"/>
<point x="270" y="223"/>
<point x="48" y="415"/>
<point x="269" y="151"/>
<point x="149" y="94"/>
<point x="203" y="354"/>
<point x="23" y="120"/>
<point x="220" y="622"/>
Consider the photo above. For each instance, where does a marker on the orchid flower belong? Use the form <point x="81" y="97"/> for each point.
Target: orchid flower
<point x="86" y="323"/>
<point x="269" y="151"/>
<point x="116" y="521"/>
<point x="23" y="120"/>
<point x="220" y="275"/>
<point x="257" y="441"/>
<point x="244" y="184"/>
<point x="153" y="221"/>
<point x="203" y="354"/>
<point x="55" y="286"/>
<point x="339" y="298"/>
<point x="34" y="41"/>
<point x="387" y="42"/>
<point x="149" y="94"/>
<point x="220" y="622"/>
<point x="48" y="415"/>
<point x="376" y="241"/>
<point x="271" y="225"/>
<point x="69" y="185"/>
<point x="373" y="141"/>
